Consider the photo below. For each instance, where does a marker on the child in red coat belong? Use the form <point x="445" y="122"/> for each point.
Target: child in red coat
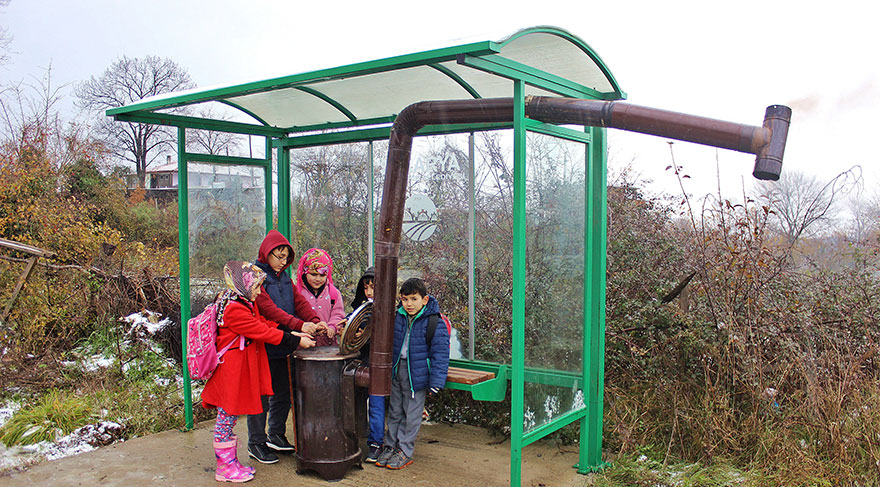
<point x="243" y="375"/>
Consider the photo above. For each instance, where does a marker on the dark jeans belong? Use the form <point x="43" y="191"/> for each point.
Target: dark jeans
<point x="275" y="407"/>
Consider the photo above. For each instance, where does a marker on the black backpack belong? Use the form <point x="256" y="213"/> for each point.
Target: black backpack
<point x="432" y="328"/>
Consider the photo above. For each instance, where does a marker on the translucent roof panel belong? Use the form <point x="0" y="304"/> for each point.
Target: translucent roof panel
<point x="559" y="56"/>
<point x="277" y="107"/>
<point x="488" y="85"/>
<point x="381" y="94"/>
<point x="376" y="91"/>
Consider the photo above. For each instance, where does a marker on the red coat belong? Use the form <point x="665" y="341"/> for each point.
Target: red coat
<point x="243" y="376"/>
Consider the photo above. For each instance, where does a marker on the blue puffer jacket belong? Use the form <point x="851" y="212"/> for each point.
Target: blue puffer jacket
<point x="427" y="365"/>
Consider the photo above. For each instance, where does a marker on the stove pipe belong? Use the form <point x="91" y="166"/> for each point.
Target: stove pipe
<point x="766" y="142"/>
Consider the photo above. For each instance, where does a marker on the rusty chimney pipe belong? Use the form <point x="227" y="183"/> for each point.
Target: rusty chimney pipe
<point x="767" y="142"/>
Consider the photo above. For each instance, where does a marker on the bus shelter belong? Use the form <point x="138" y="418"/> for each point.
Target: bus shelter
<point x="505" y="221"/>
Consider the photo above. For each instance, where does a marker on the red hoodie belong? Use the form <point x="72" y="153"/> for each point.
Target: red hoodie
<point x="279" y="287"/>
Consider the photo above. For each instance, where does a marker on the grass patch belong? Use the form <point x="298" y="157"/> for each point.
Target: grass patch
<point x="640" y="470"/>
<point x="52" y="416"/>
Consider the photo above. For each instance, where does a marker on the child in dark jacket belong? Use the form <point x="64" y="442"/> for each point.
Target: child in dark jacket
<point x="280" y="303"/>
<point x="363" y="293"/>
<point x="418" y="367"/>
<point x="243" y="375"/>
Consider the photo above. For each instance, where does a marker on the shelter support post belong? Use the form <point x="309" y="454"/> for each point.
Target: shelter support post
<point x="590" y="452"/>
<point x="371" y="204"/>
<point x="517" y="384"/>
<point x="284" y="191"/>
<point x="267" y="181"/>
<point x="183" y="259"/>
<point x="472" y="248"/>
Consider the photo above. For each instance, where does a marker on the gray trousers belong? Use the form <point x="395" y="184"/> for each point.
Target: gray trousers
<point x="404" y="412"/>
<point x="275" y="407"/>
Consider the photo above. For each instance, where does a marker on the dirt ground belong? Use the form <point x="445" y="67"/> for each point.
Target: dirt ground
<point x="450" y="456"/>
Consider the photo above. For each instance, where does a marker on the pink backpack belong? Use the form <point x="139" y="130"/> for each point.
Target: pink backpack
<point x="202" y="356"/>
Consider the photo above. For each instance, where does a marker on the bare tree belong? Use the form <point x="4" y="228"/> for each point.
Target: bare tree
<point x="210" y="141"/>
<point x="28" y="114"/>
<point x="128" y="80"/>
<point x="802" y="204"/>
<point x="865" y="212"/>
<point x="5" y="39"/>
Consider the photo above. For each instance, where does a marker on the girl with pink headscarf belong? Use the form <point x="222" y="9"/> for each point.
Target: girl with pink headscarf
<point x="314" y="282"/>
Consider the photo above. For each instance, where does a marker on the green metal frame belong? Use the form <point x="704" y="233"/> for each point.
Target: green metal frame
<point x="483" y="56"/>
<point x="518" y="356"/>
<point x="596" y="226"/>
<point x="183" y="160"/>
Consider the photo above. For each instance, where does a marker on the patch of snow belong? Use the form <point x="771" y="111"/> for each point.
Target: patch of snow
<point x="96" y="362"/>
<point x="529" y="420"/>
<point x="551" y="407"/>
<point x="578" y="400"/>
<point x="147" y="321"/>
<point x="84" y="439"/>
<point x="91" y="363"/>
<point x="7" y="411"/>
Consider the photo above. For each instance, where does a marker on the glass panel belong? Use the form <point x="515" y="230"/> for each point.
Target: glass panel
<point x="435" y="227"/>
<point x="223" y="143"/>
<point x="438" y="170"/>
<point x="227" y="221"/>
<point x="328" y="207"/>
<point x="555" y="198"/>
<point x="380" y="158"/>
<point x="493" y="187"/>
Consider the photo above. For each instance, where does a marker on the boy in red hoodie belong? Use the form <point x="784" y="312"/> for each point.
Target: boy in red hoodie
<point x="279" y="302"/>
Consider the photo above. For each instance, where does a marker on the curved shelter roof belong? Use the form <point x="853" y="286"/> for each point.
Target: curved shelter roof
<point x="550" y="60"/>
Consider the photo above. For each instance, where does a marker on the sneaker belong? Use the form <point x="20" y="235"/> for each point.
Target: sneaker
<point x="280" y="443"/>
<point x="261" y="453"/>
<point x="398" y="460"/>
<point x="373" y="453"/>
<point x="384" y="456"/>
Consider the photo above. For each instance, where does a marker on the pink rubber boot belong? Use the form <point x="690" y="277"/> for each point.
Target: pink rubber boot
<point x="241" y="466"/>
<point x="228" y="468"/>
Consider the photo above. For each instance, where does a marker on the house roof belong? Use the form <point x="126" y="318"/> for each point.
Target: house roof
<point x="167" y="167"/>
<point x="551" y="61"/>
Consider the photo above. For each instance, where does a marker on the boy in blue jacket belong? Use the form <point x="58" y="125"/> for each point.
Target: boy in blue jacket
<point x="418" y="367"/>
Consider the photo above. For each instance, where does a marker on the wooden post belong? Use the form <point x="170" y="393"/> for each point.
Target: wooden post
<point x="35" y="253"/>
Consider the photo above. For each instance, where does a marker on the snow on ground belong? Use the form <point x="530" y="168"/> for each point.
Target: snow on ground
<point x="7" y="411"/>
<point x="91" y="364"/>
<point x="147" y="321"/>
<point x="84" y="439"/>
<point x="144" y="325"/>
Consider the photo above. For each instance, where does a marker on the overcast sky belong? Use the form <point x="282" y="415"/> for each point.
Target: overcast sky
<point x="725" y="60"/>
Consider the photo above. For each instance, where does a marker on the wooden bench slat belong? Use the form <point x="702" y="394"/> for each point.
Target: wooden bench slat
<point x="468" y="376"/>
